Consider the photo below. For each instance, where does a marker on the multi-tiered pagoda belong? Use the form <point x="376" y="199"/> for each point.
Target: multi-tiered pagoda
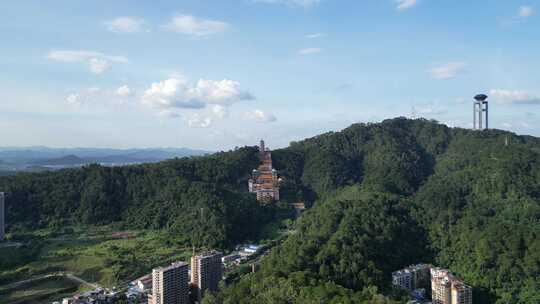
<point x="264" y="180"/>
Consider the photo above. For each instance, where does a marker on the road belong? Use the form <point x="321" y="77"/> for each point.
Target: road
<point x="80" y="280"/>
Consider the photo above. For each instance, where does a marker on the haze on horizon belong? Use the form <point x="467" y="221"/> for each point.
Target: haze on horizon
<point x="218" y="74"/>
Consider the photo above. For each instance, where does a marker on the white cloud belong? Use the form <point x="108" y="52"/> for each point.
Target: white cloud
<point x="170" y="93"/>
<point x="316" y="35"/>
<point x="405" y="4"/>
<point x="99" y="65"/>
<point x="123" y="91"/>
<point x="514" y="97"/>
<point x="80" y="55"/>
<point x="125" y="25"/>
<point x="196" y="121"/>
<point x="302" y="3"/>
<point x="219" y="111"/>
<point x="219" y="92"/>
<point x="260" y="116"/>
<point x="74" y="99"/>
<point x="83" y="96"/>
<point x="97" y="62"/>
<point x="448" y="70"/>
<point x="176" y="92"/>
<point x="191" y="25"/>
<point x="310" y="51"/>
<point x="525" y="11"/>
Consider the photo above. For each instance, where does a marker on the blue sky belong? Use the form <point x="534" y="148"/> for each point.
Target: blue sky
<point x="218" y="74"/>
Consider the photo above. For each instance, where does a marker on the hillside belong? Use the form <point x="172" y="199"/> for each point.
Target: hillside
<point x="400" y="192"/>
<point x="384" y="195"/>
<point x="168" y="195"/>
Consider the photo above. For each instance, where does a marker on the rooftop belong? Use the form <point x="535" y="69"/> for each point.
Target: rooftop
<point x="172" y="266"/>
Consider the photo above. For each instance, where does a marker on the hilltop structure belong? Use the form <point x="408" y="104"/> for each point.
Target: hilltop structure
<point x="264" y="180"/>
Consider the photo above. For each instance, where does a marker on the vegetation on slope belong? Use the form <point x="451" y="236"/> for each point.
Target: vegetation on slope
<point x="463" y="200"/>
<point x="384" y="196"/>
<point x="202" y="201"/>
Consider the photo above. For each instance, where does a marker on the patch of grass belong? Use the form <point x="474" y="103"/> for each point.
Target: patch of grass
<point x="39" y="291"/>
<point x="98" y="255"/>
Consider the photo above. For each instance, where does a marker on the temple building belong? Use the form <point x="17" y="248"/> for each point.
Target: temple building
<point x="264" y="180"/>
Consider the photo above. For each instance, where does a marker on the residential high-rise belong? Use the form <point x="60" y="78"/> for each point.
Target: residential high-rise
<point x="402" y="279"/>
<point x="2" y="229"/>
<point x="461" y="293"/>
<point x="206" y="272"/>
<point x="412" y="277"/>
<point x="170" y="285"/>
<point x="447" y="289"/>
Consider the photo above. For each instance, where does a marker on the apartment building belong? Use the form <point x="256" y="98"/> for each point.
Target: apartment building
<point x="412" y="277"/>
<point x="448" y="289"/>
<point x="170" y="285"/>
<point x="206" y="272"/>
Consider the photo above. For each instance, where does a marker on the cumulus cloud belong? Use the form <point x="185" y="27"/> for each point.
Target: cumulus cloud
<point x="405" y="4"/>
<point x="83" y="96"/>
<point x="171" y="93"/>
<point x="514" y="97"/>
<point x="219" y="111"/>
<point x="302" y="3"/>
<point x="74" y="99"/>
<point x="448" y="71"/>
<point x="125" y="24"/>
<point x="309" y="51"/>
<point x="191" y="25"/>
<point x="197" y="121"/>
<point x="260" y="116"/>
<point x="525" y="11"/>
<point x="176" y="92"/>
<point x="97" y="62"/>
<point x="123" y="91"/>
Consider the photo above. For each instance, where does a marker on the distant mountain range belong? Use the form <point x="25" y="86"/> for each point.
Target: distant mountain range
<point x="45" y="158"/>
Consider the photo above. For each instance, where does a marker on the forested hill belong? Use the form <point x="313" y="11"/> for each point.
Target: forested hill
<point x="400" y="192"/>
<point x="201" y="200"/>
<point x="384" y="195"/>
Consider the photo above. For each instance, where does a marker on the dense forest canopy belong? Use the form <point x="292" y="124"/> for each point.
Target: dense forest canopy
<point x="202" y="200"/>
<point x="384" y="195"/>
